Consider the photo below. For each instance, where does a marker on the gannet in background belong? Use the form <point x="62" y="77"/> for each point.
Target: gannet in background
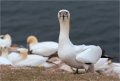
<point x="4" y="55"/>
<point x="17" y="56"/>
<point x="105" y="66"/>
<point x="6" y="40"/>
<point x="47" y="48"/>
<point x="76" y="56"/>
<point x="23" y="59"/>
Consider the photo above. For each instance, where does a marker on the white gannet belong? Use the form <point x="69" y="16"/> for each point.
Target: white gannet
<point x="23" y="59"/>
<point x="4" y="55"/>
<point x="100" y="62"/>
<point x="6" y="40"/>
<point x="76" y="56"/>
<point x="17" y="56"/>
<point x="42" y="48"/>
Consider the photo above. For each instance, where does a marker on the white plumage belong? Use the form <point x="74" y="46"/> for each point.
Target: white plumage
<point x="42" y="48"/>
<point x="4" y="61"/>
<point x="75" y="55"/>
<point x="4" y="55"/>
<point x="23" y="59"/>
<point x="35" y="60"/>
<point x="6" y="40"/>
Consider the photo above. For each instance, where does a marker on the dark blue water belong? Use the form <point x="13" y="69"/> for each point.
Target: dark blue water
<point x="92" y="22"/>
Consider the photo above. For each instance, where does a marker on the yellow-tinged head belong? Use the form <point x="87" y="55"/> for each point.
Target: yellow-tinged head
<point x="23" y="52"/>
<point x="109" y="61"/>
<point x="3" y="47"/>
<point x="4" y="50"/>
<point x="32" y="39"/>
<point x="63" y="15"/>
<point x="6" y="36"/>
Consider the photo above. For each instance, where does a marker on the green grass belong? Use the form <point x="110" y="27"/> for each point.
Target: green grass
<point x="42" y="74"/>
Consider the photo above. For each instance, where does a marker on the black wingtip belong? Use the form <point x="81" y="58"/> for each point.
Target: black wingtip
<point x="103" y="52"/>
<point x="105" y="56"/>
<point x="88" y="63"/>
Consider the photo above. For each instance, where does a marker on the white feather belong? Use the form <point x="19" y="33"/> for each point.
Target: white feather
<point x="75" y="55"/>
<point x="35" y="60"/>
<point x="44" y="48"/>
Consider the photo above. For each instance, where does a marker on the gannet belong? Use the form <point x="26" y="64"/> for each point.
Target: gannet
<point x="6" y="40"/>
<point x="42" y="48"/>
<point x="4" y="55"/>
<point x="76" y="56"/>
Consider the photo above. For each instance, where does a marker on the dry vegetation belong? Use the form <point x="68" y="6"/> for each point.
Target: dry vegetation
<point x="8" y="73"/>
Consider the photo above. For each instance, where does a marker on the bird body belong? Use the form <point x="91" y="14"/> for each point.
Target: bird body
<point x="23" y="59"/>
<point x="76" y="56"/>
<point x="4" y="55"/>
<point x="35" y="60"/>
<point x="42" y="48"/>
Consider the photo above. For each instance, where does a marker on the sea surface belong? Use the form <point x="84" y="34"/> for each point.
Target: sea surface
<point x="92" y="22"/>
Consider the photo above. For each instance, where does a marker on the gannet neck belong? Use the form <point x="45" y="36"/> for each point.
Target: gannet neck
<point x="5" y="55"/>
<point x="64" y="32"/>
<point x="64" y="28"/>
<point x="24" y="55"/>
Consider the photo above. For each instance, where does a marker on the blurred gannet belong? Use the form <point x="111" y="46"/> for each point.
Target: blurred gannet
<point x="105" y="66"/>
<point x="4" y="55"/>
<point x="42" y="48"/>
<point x="76" y="56"/>
<point x="16" y="56"/>
<point x="23" y="59"/>
<point x="6" y="40"/>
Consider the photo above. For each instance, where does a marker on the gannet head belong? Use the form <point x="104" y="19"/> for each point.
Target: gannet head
<point x="31" y="40"/>
<point x="23" y="52"/>
<point x="4" y="50"/>
<point x="63" y="15"/>
<point x="3" y="47"/>
<point x="6" y="36"/>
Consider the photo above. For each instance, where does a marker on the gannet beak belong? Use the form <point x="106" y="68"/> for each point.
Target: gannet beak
<point x="63" y="14"/>
<point x="14" y="51"/>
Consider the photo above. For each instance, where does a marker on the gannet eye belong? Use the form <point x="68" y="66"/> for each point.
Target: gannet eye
<point x="66" y="13"/>
<point x="60" y="13"/>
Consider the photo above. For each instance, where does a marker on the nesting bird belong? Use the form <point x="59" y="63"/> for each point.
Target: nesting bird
<point x="4" y="55"/>
<point x="17" y="56"/>
<point x="77" y="56"/>
<point x="47" y="48"/>
<point x="23" y="59"/>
